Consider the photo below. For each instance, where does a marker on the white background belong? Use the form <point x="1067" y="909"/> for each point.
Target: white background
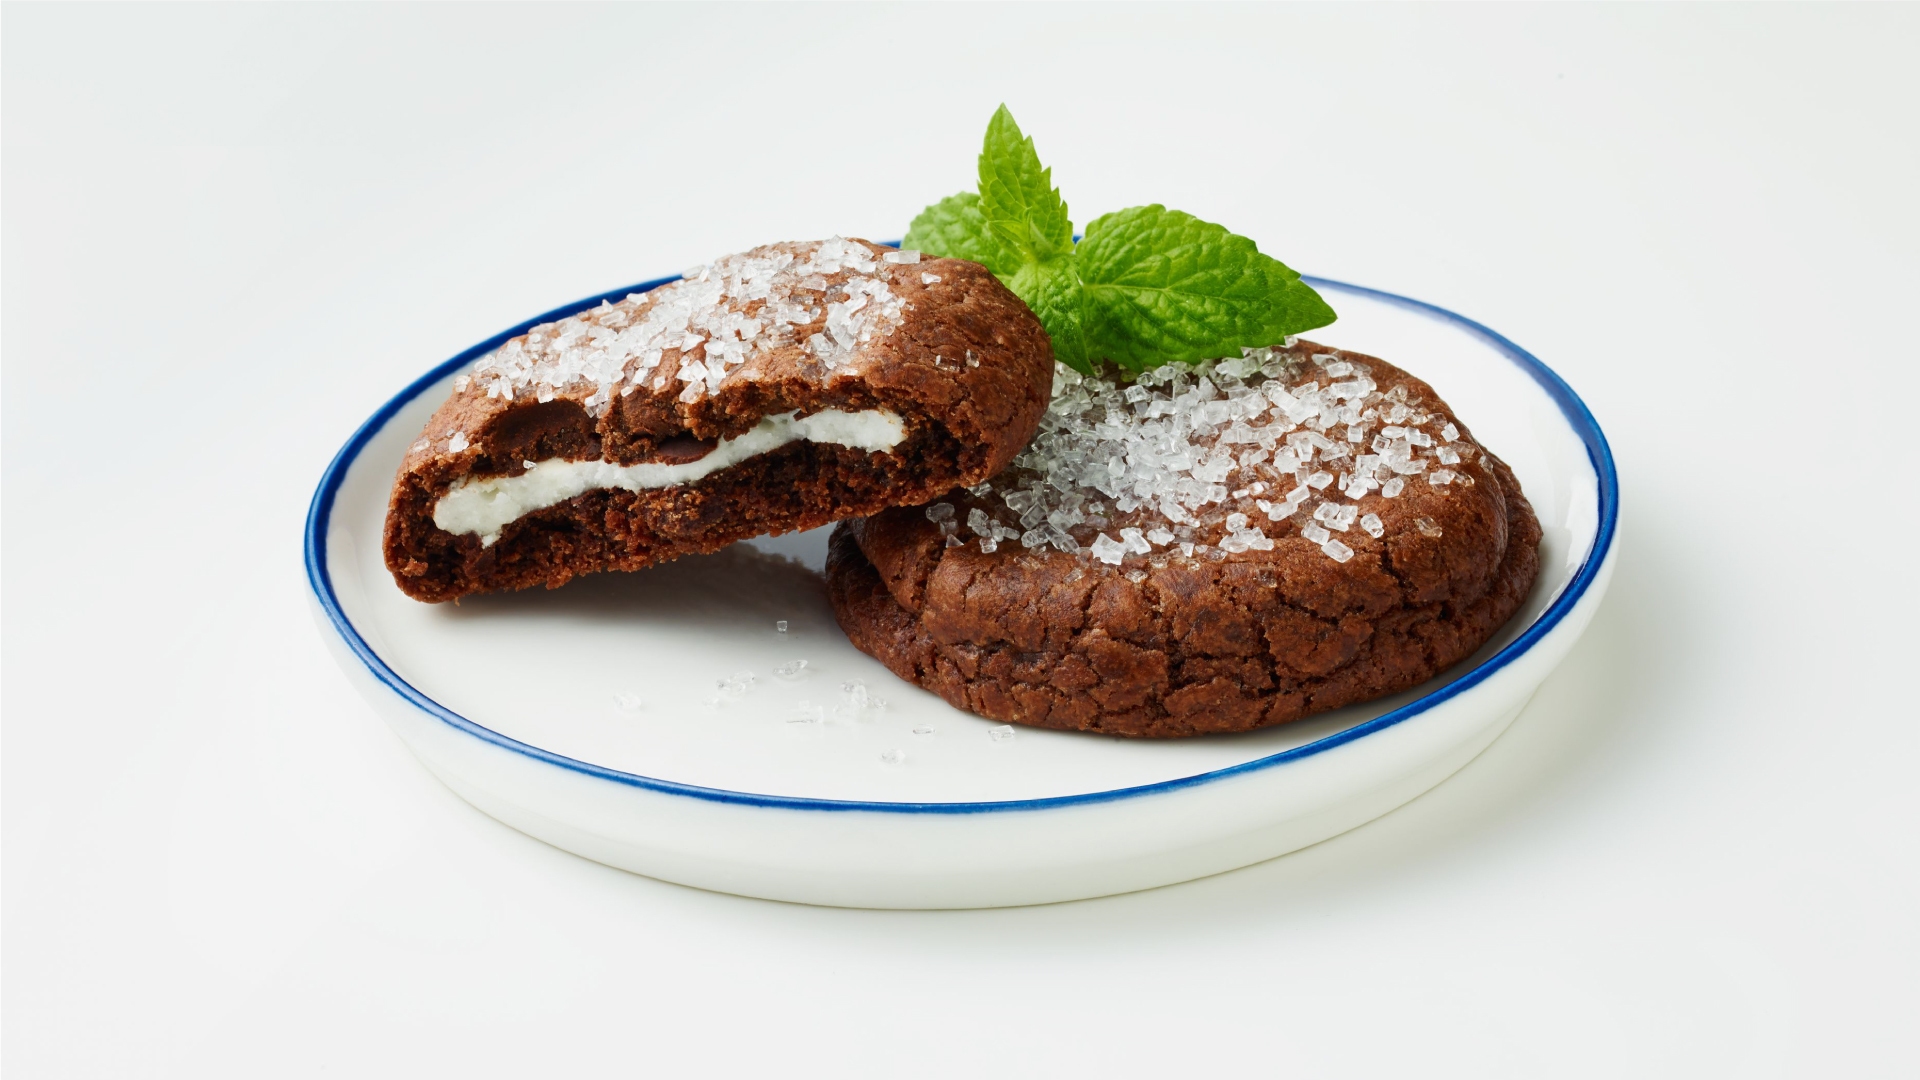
<point x="231" y="233"/>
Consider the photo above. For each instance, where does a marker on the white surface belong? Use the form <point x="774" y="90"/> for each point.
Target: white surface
<point x="1692" y="855"/>
<point x="484" y="505"/>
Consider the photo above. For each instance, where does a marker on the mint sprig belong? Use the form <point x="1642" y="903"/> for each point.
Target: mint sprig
<point x="1146" y="286"/>
<point x="1017" y="197"/>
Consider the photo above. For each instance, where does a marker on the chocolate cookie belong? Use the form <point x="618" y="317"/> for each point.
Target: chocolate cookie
<point x="1212" y="548"/>
<point x="780" y="389"/>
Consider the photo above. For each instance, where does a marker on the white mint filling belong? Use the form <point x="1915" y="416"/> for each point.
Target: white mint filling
<point x="487" y="505"/>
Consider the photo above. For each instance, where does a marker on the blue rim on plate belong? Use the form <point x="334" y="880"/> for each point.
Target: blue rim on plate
<point x="320" y="580"/>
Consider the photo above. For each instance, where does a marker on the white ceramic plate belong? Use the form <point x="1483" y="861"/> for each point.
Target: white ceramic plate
<point x="592" y="717"/>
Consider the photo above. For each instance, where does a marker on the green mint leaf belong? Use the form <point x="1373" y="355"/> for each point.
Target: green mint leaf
<point x="1052" y="289"/>
<point x="1161" y="286"/>
<point x="1016" y="226"/>
<point x="954" y="229"/>
<point x="1017" y="198"/>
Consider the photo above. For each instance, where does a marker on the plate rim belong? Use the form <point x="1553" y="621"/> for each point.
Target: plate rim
<point x="320" y="585"/>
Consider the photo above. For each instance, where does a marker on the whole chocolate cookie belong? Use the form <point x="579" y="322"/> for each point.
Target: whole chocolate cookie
<point x="779" y="389"/>
<point x="1213" y="548"/>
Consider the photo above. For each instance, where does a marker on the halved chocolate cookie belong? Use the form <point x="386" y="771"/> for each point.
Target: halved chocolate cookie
<point x="779" y="389"/>
<point x="1213" y="548"/>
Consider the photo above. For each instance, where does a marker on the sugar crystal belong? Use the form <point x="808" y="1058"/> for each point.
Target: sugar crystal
<point x="792" y="669"/>
<point x="893" y="757"/>
<point x="856" y="692"/>
<point x="1003" y="733"/>
<point x="1108" y="550"/>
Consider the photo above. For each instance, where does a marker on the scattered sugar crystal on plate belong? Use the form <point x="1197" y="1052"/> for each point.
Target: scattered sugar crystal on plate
<point x="858" y="700"/>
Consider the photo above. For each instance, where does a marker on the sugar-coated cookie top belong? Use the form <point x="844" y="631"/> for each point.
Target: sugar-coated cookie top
<point x="1203" y="459"/>
<point x="699" y="330"/>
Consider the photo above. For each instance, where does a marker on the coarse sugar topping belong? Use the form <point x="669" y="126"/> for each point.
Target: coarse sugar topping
<point x="1213" y="459"/>
<point x="828" y="296"/>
